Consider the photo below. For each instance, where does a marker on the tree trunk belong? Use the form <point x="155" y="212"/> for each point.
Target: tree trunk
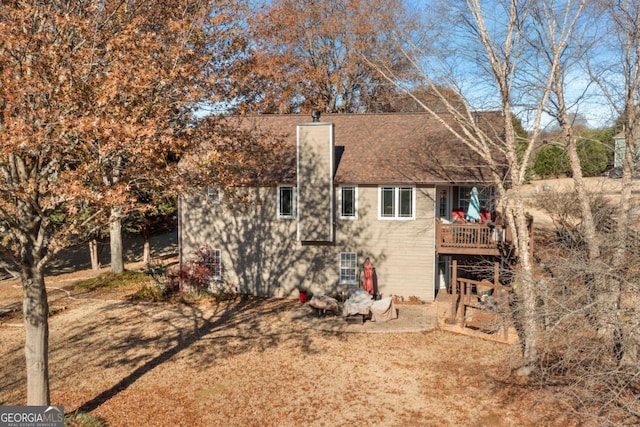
<point x="94" y="253"/>
<point x="115" y="241"/>
<point x="146" y="250"/>
<point x="625" y="293"/>
<point x="588" y="223"/>
<point x="598" y="287"/>
<point x="531" y="330"/>
<point x="36" y="309"/>
<point x="519" y="225"/>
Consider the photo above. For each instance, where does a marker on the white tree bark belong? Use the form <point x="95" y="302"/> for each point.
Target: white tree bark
<point x="36" y="310"/>
<point x="146" y="250"/>
<point x="94" y="254"/>
<point x="627" y="17"/>
<point x="621" y="86"/>
<point x="498" y="54"/>
<point x="115" y="241"/>
<point x="622" y="297"/>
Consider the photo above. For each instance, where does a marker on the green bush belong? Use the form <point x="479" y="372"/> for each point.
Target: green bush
<point x="594" y="157"/>
<point x="551" y="161"/>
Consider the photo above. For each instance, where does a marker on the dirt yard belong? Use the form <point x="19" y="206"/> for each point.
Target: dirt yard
<point x="248" y="363"/>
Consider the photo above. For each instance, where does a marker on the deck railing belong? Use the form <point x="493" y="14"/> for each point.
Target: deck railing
<point x="477" y="239"/>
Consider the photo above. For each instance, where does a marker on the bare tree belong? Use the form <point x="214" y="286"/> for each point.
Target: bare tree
<point x="493" y="40"/>
<point x="519" y="57"/>
<point x="618" y="75"/>
<point x="546" y="41"/>
<point x="553" y="25"/>
<point x="572" y="352"/>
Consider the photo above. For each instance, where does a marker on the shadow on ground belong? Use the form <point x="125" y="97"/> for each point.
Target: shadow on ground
<point x="137" y="338"/>
<point x="77" y="257"/>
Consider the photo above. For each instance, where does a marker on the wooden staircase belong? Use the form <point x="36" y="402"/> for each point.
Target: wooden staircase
<point x="481" y="305"/>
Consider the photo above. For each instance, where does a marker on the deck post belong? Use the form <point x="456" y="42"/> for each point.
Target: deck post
<point x="496" y="273"/>
<point x="465" y="289"/>
<point x="454" y="293"/>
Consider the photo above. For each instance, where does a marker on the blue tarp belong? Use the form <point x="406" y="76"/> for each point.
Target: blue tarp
<point x="473" y="211"/>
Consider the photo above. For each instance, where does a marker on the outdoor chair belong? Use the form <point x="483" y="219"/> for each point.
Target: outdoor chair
<point x="361" y="306"/>
<point x="323" y="304"/>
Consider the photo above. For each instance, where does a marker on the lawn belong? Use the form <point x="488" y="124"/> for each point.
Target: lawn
<point x="246" y="362"/>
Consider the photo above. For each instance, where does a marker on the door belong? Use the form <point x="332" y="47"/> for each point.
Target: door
<point x="443" y="278"/>
<point x="443" y="203"/>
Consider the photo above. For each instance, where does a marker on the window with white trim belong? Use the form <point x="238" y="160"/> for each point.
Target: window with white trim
<point x="286" y="202"/>
<point x="214" y="195"/>
<point x="348" y="202"/>
<point x="396" y="202"/>
<point x="213" y="261"/>
<point x="348" y="268"/>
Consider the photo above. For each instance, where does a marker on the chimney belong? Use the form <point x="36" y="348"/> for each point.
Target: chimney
<point x="315" y="165"/>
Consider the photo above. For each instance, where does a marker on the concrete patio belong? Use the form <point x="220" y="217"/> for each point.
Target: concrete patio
<point x="411" y="318"/>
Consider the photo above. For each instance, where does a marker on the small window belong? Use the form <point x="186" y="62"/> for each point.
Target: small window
<point x="213" y="195"/>
<point x="212" y="260"/>
<point x="286" y="202"/>
<point x="348" y="202"/>
<point x="396" y="202"/>
<point x="348" y="268"/>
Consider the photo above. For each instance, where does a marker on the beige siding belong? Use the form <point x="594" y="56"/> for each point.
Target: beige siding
<point x="402" y="251"/>
<point x="260" y="252"/>
<point x="262" y="256"/>
<point x="315" y="182"/>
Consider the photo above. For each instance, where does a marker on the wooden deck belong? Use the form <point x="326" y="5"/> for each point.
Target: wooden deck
<point x="474" y="239"/>
<point x="471" y="239"/>
<point x="469" y="307"/>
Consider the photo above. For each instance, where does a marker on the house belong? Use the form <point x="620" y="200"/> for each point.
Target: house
<point x="620" y="148"/>
<point x="376" y="186"/>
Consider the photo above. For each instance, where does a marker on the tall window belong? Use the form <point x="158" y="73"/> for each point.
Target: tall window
<point x="443" y="202"/>
<point x="396" y="202"/>
<point x="213" y="261"/>
<point x="485" y="197"/>
<point x="286" y="202"/>
<point x="348" y="202"/>
<point x="405" y="202"/>
<point x="348" y="268"/>
<point x="387" y="197"/>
